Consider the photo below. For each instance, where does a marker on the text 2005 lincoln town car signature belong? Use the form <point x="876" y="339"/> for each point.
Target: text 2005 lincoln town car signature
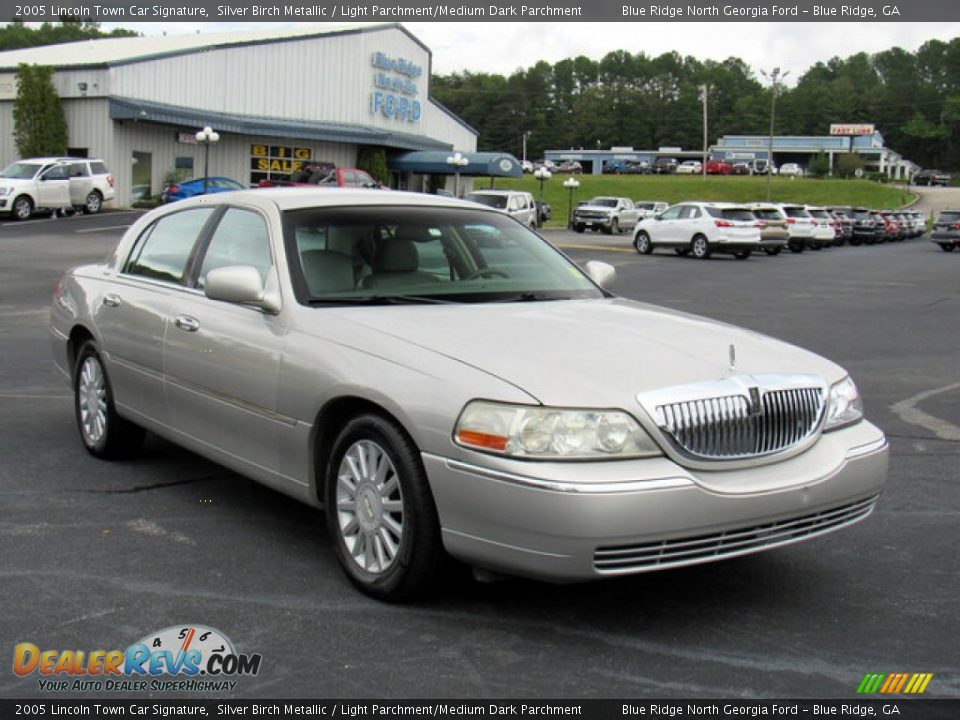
<point x="440" y="379"/>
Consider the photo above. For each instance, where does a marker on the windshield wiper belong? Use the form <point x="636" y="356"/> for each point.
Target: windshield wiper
<point x="381" y="300"/>
<point x="533" y="297"/>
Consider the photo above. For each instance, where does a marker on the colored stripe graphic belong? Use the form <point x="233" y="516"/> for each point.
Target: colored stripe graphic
<point x="894" y="683"/>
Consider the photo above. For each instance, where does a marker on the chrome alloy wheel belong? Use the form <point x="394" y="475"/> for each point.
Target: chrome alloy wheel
<point x="369" y="506"/>
<point x="92" y="390"/>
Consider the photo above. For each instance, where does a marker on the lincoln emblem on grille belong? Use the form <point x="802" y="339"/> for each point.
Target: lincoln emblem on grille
<point x="755" y="406"/>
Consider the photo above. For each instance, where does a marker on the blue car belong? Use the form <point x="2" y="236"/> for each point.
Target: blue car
<point x="189" y="188"/>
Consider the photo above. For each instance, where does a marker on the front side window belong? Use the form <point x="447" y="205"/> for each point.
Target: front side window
<point x="241" y="238"/>
<point x="429" y="254"/>
<point x="163" y="250"/>
<point x="57" y="172"/>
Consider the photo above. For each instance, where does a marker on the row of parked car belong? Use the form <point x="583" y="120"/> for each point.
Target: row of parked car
<point x="714" y="166"/>
<point x="56" y="184"/>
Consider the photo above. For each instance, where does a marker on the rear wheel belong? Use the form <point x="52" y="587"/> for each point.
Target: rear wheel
<point x="946" y="247"/>
<point x="22" y="208"/>
<point x="856" y="241"/>
<point x="700" y="247"/>
<point x="104" y="433"/>
<point x="796" y="246"/>
<point x="742" y="254"/>
<point x="772" y="251"/>
<point x="380" y="511"/>
<point x="642" y="243"/>
<point x="93" y="203"/>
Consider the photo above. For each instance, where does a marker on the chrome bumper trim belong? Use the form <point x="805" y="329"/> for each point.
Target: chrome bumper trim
<point x="869" y="448"/>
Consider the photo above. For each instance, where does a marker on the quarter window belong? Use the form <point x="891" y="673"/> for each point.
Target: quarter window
<point x="164" y="248"/>
<point x="241" y="238"/>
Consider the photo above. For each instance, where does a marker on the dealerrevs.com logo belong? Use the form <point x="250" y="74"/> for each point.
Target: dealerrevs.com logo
<point x="187" y="658"/>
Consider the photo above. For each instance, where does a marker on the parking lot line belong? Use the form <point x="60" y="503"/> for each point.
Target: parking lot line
<point x="606" y="248"/>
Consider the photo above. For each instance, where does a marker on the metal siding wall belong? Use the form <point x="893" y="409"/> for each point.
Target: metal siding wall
<point x="8" y="150"/>
<point x="323" y="79"/>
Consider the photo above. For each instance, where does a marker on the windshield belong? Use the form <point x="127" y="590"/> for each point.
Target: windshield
<point x="20" y="171"/>
<point x="603" y="202"/>
<point x="423" y="254"/>
<point x="495" y="201"/>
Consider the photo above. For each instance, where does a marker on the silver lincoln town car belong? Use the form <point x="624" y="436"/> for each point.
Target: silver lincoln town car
<point x="442" y="380"/>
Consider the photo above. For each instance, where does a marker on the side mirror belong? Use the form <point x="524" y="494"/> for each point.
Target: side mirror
<point x="240" y="284"/>
<point x="603" y="274"/>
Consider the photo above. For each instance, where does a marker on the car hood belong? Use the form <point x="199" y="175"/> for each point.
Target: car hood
<point x="588" y="353"/>
<point x="587" y="206"/>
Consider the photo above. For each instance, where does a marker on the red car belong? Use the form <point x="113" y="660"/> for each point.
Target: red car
<point x="327" y="177"/>
<point x="716" y="166"/>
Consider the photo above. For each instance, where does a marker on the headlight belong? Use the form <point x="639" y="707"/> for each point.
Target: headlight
<point x="844" y="407"/>
<point x="543" y="433"/>
<point x="4" y="191"/>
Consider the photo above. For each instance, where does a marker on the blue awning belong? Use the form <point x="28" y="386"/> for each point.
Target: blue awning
<point x="144" y="111"/>
<point x="432" y="162"/>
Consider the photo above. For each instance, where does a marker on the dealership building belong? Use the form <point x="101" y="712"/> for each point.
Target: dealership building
<point x="277" y="99"/>
<point x="862" y="140"/>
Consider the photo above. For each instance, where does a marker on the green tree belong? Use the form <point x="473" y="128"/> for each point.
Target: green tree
<point x="848" y="164"/>
<point x="374" y="161"/>
<point x="17" y="35"/>
<point x="39" y="125"/>
<point x="819" y="165"/>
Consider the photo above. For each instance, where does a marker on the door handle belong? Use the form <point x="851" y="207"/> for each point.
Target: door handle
<point x="185" y="322"/>
<point x="111" y="300"/>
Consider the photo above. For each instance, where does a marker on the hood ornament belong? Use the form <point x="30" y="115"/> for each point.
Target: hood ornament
<point x="732" y="351"/>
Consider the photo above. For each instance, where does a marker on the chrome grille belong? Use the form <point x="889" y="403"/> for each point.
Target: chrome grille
<point x="740" y="541"/>
<point x="741" y="416"/>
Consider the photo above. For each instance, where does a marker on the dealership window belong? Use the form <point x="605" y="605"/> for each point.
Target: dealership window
<point x="78" y="152"/>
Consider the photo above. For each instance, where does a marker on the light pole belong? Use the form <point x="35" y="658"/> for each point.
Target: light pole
<point x="207" y="137"/>
<point x="457" y="162"/>
<point x="542" y="175"/>
<point x="525" y="136"/>
<point x="704" y="89"/>
<point x="570" y="184"/>
<point x="776" y="78"/>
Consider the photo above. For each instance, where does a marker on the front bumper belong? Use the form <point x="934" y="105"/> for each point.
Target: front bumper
<point x="559" y="521"/>
<point x="590" y="222"/>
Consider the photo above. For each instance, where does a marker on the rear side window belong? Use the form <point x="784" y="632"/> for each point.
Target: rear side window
<point x="241" y="238"/>
<point x="78" y="170"/>
<point x="163" y="250"/>
<point x="98" y="168"/>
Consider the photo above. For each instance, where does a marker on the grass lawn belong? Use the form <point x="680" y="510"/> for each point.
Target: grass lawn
<point x="673" y="189"/>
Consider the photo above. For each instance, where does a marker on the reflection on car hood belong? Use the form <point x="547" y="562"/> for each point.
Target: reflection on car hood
<point x="588" y="352"/>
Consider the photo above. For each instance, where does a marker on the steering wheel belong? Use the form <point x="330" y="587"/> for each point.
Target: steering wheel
<point x="485" y="272"/>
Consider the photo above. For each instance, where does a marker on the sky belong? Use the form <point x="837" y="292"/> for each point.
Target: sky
<point x="497" y="47"/>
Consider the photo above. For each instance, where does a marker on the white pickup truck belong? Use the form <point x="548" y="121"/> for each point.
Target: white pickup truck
<point x="610" y="214"/>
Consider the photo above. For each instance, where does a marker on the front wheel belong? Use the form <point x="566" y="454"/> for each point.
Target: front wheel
<point x="642" y="243"/>
<point x="380" y="511"/>
<point x="772" y="251"/>
<point x="578" y="228"/>
<point x="946" y="247"/>
<point x="700" y="247"/>
<point x="104" y="433"/>
<point x="614" y="227"/>
<point x="22" y="208"/>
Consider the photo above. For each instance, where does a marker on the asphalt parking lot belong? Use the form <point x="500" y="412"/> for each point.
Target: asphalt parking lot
<point x="99" y="555"/>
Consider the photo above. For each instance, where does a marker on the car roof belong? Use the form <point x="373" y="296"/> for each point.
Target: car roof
<point x="294" y="198"/>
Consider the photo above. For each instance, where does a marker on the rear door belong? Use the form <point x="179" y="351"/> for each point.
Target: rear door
<point x="81" y="182"/>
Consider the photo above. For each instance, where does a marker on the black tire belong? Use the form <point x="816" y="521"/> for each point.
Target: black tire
<point x="614" y="227"/>
<point x="419" y="550"/>
<point x="742" y="254"/>
<point x="700" y="247"/>
<point x="94" y="203"/>
<point x="856" y="241"/>
<point x="642" y="243"/>
<point x="682" y="251"/>
<point x="816" y="246"/>
<point x="22" y="208"/>
<point x="946" y="247"/>
<point x="796" y="246"/>
<point x="117" y="438"/>
<point x="578" y="228"/>
<point x="772" y="251"/>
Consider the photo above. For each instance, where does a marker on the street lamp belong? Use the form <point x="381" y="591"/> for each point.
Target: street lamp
<point x="457" y="162"/>
<point x="704" y="89"/>
<point x="542" y="175"/>
<point x="525" y="136"/>
<point x="570" y="184"/>
<point x="776" y="79"/>
<point x="207" y="137"/>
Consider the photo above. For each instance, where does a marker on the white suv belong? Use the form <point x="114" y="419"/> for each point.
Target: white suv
<point x="518" y="205"/>
<point x="701" y="229"/>
<point x="54" y="184"/>
<point x="91" y="184"/>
